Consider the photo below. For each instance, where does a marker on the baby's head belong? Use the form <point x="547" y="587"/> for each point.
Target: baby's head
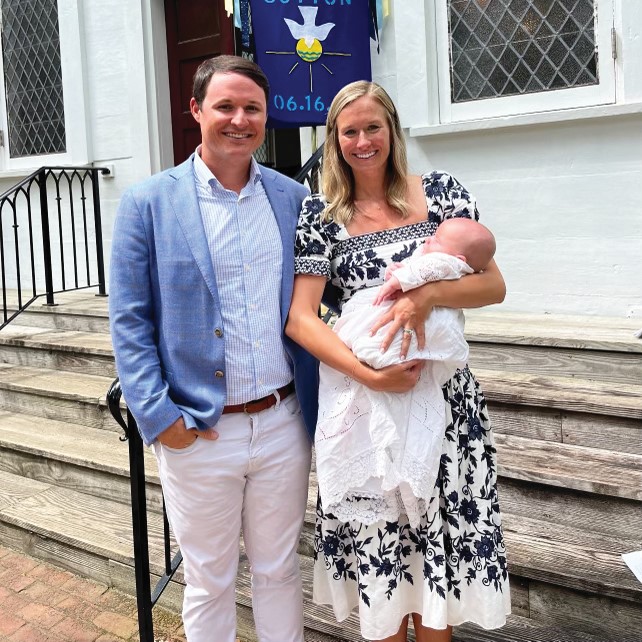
<point x="464" y="238"/>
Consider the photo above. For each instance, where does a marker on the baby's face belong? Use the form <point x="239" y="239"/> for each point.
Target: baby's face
<point x="441" y="242"/>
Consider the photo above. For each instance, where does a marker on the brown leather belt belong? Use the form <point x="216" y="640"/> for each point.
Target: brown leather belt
<point x="257" y="405"/>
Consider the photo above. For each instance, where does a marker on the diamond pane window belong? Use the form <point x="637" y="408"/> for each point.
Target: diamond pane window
<point x="512" y="47"/>
<point x="33" y="77"/>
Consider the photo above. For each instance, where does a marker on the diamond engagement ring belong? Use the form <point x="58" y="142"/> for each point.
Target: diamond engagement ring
<point x="408" y="331"/>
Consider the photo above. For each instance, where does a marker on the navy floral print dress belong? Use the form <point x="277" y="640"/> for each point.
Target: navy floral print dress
<point x="452" y="567"/>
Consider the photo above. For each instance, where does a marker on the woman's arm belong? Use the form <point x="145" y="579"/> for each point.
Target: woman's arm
<point x="411" y="309"/>
<point x="305" y="327"/>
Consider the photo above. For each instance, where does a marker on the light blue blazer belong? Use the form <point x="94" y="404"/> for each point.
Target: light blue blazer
<point x="164" y="304"/>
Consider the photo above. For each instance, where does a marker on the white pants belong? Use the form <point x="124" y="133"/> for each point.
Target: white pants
<point x="254" y="477"/>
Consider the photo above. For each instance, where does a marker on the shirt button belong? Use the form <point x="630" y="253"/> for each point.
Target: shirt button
<point x="218" y="332"/>
<point x="219" y="374"/>
<point x="247" y="267"/>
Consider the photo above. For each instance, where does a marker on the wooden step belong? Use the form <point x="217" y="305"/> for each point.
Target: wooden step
<point x="618" y="434"/>
<point x="78" y="531"/>
<point x="588" y="469"/>
<point x="522" y="629"/>
<point x="563" y="393"/>
<point x="570" y="557"/>
<point x="60" y="318"/>
<point x="571" y="538"/>
<point x="68" y="350"/>
<point x="76" y="457"/>
<point x="554" y="330"/>
<point x="56" y="394"/>
<point x="80" y="310"/>
<point x="600" y="514"/>
<point x="583" y="613"/>
<point x="600" y="349"/>
<point x="599" y="365"/>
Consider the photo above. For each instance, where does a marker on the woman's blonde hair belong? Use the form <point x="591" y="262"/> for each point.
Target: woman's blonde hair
<point x="337" y="178"/>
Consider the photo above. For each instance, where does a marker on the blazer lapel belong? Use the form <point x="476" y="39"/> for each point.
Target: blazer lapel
<point x="286" y="220"/>
<point x="184" y="201"/>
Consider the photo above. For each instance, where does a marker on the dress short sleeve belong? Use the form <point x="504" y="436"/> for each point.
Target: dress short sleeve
<point x="312" y="248"/>
<point x="448" y="198"/>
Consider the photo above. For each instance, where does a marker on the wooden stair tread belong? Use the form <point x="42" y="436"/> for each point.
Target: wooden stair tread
<point x="623" y="367"/>
<point x="588" y="469"/>
<point x="80" y="302"/>
<point x="523" y="629"/>
<point x="585" y="561"/>
<point x="62" y="340"/>
<point x="55" y="383"/>
<point x="564" y="393"/>
<point x="97" y="525"/>
<point x="81" y="446"/>
<point x="555" y="330"/>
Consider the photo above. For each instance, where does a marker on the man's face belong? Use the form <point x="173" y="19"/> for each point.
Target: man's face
<point x="232" y="119"/>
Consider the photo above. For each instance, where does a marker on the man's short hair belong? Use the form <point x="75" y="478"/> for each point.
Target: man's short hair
<point x="227" y="65"/>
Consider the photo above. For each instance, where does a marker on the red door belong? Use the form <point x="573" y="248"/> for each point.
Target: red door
<point x="196" y="30"/>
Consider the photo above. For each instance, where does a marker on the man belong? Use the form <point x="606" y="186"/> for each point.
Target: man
<point x="201" y="281"/>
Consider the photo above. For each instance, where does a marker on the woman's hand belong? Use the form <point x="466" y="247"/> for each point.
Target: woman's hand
<point x="396" y="378"/>
<point x="408" y="315"/>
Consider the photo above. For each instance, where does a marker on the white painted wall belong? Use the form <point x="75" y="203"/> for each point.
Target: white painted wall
<point x="129" y="126"/>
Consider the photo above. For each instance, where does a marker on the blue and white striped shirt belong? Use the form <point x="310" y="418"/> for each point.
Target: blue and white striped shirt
<point x="245" y="246"/>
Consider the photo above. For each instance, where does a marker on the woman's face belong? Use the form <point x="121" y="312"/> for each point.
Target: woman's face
<point x="363" y="134"/>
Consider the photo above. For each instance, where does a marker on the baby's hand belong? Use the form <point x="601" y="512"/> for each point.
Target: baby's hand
<point x="388" y="289"/>
<point x="390" y="270"/>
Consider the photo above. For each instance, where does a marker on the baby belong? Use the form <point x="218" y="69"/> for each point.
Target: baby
<point x="469" y="242"/>
<point x="400" y="435"/>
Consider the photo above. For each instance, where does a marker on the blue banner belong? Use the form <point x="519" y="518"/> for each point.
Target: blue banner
<point x="309" y="50"/>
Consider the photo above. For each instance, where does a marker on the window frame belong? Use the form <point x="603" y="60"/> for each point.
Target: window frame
<point x="603" y="93"/>
<point x="72" y="60"/>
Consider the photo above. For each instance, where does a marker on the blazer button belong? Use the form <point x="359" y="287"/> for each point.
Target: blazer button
<point x="218" y="332"/>
<point x="219" y="374"/>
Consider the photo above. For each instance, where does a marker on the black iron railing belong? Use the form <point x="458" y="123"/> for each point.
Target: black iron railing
<point x="145" y="597"/>
<point x="310" y="173"/>
<point x="50" y="237"/>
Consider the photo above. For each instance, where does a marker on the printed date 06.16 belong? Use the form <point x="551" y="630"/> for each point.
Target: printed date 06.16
<point x="305" y="103"/>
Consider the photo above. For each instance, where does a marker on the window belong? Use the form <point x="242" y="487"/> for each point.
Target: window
<point x="41" y="85"/>
<point x="503" y="57"/>
<point x="32" y="78"/>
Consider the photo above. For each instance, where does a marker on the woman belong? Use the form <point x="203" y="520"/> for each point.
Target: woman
<point x="452" y="567"/>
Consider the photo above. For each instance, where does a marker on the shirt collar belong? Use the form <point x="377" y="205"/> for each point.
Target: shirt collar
<point x="205" y="176"/>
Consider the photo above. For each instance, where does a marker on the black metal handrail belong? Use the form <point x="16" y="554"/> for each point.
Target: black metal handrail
<point x="66" y="201"/>
<point x="146" y="599"/>
<point x="310" y="173"/>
